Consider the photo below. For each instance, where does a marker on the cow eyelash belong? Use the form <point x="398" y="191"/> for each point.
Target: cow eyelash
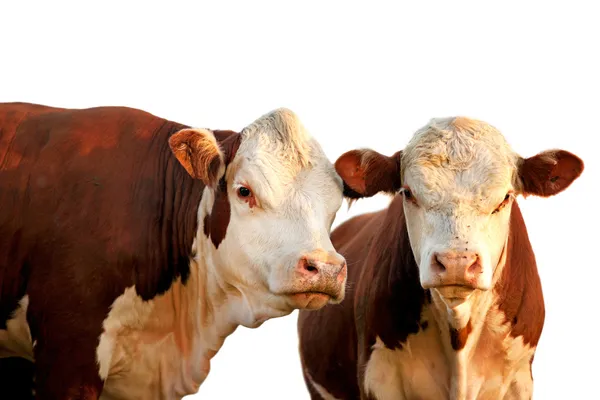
<point x="408" y="195"/>
<point x="503" y="204"/>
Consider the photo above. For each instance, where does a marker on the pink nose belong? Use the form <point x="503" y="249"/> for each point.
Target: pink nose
<point x="323" y="265"/>
<point x="456" y="267"/>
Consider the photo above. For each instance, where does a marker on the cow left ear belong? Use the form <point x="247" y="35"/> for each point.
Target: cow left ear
<point x="367" y="172"/>
<point x="198" y="152"/>
<point x="549" y="172"/>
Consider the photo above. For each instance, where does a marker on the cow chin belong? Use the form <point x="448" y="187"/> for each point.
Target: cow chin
<point x="311" y="294"/>
<point x="455" y="294"/>
<point x="313" y="298"/>
<point x="308" y="300"/>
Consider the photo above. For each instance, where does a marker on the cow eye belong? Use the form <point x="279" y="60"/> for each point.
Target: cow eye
<point x="408" y="195"/>
<point x="504" y="203"/>
<point x="244" y="192"/>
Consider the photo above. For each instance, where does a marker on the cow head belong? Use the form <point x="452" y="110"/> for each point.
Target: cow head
<point x="459" y="178"/>
<point x="264" y="220"/>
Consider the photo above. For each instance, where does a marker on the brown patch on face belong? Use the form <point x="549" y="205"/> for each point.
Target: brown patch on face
<point x="458" y="337"/>
<point x="549" y="173"/>
<point x="216" y="223"/>
<point x="366" y="173"/>
<point x="229" y="142"/>
<point x="519" y="289"/>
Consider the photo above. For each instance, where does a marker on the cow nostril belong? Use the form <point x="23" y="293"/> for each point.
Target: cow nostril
<point x="310" y="267"/>
<point x="475" y="268"/>
<point x="439" y="265"/>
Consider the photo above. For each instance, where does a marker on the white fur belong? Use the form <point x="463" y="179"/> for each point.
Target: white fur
<point x="493" y="365"/>
<point x="319" y="388"/>
<point x="458" y="171"/>
<point x="162" y="348"/>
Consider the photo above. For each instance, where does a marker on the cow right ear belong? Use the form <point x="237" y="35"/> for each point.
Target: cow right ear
<point x="367" y="172"/>
<point x="198" y="152"/>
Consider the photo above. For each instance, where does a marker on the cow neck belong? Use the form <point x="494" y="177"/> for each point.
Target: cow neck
<point x="221" y="303"/>
<point x="461" y="328"/>
<point x="518" y="315"/>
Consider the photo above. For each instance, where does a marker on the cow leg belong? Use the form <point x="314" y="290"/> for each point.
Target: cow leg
<point x="65" y="362"/>
<point x="16" y="378"/>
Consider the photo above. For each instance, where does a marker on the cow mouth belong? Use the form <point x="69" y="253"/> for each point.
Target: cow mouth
<point x="455" y="292"/>
<point x="312" y="300"/>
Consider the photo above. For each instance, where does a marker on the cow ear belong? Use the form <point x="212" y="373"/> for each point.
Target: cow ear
<point x="198" y="152"/>
<point x="549" y="172"/>
<point x="367" y="172"/>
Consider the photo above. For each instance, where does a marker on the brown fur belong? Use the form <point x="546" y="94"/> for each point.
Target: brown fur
<point x="519" y="289"/>
<point x="215" y="223"/>
<point x="549" y="173"/>
<point x="383" y="172"/>
<point x="459" y="337"/>
<point x="93" y="201"/>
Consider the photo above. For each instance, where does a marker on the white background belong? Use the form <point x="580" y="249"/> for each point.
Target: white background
<point x="358" y="76"/>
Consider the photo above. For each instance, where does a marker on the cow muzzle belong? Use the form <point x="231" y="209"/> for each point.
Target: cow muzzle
<point x="455" y="274"/>
<point x="319" y="278"/>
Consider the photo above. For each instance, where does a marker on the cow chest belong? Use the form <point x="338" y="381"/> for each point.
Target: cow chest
<point x="492" y="365"/>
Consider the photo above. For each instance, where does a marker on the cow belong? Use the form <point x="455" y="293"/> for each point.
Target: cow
<point x="131" y="246"/>
<point x="444" y="299"/>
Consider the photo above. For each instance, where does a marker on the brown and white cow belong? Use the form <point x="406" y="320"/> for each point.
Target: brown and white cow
<point x="132" y="246"/>
<point x="444" y="299"/>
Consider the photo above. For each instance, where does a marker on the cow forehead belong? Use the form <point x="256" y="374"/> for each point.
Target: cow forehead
<point x="458" y="160"/>
<point x="280" y="135"/>
<point x="277" y="156"/>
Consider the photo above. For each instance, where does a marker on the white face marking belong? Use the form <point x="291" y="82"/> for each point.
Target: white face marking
<point x="295" y="194"/>
<point x="458" y="172"/>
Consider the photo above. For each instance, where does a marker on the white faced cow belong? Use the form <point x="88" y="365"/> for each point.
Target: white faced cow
<point x="132" y="246"/>
<point x="446" y="300"/>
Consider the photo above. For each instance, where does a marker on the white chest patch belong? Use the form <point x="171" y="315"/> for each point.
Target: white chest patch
<point x="148" y="350"/>
<point x="15" y="340"/>
<point x="495" y="365"/>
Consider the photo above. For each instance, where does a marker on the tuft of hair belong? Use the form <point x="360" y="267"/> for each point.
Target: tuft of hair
<point x="453" y="143"/>
<point x="280" y="132"/>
